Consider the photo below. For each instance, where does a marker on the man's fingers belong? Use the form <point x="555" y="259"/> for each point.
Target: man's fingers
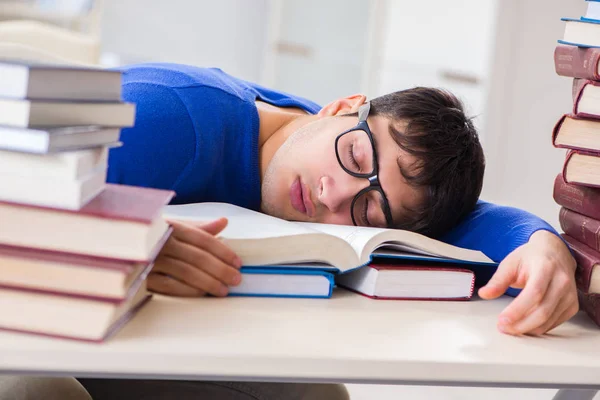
<point x="190" y="275"/>
<point x="206" y="241"/>
<point x="531" y="296"/>
<point x="567" y="309"/>
<point x="505" y="276"/>
<point x="164" y="284"/>
<point x="204" y="261"/>
<point x="548" y="309"/>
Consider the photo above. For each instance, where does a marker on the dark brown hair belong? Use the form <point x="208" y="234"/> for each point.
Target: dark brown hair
<point x="431" y="125"/>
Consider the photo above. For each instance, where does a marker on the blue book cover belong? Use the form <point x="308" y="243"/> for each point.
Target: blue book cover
<point x="581" y="39"/>
<point x="284" y="281"/>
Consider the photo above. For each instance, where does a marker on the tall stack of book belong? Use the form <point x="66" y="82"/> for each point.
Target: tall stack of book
<point x="577" y="188"/>
<point x="74" y="250"/>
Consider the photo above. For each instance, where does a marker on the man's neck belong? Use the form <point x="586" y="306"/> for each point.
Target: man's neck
<point x="276" y="125"/>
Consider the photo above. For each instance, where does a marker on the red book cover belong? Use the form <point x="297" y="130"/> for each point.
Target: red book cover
<point x="122" y="202"/>
<point x="580" y="227"/>
<point x="577" y="99"/>
<point x="590" y="304"/>
<point x="558" y="126"/>
<point x="578" y="84"/>
<point x="577" y="62"/>
<point x="582" y="199"/>
<point x="566" y="166"/>
<point x="391" y="267"/>
<point x="587" y="259"/>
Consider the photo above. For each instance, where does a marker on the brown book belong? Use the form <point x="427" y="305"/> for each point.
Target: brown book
<point x="68" y="317"/>
<point x="580" y="227"/>
<point x="577" y="62"/>
<point x="587" y="275"/>
<point x="586" y="103"/>
<point x="584" y="200"/>
<point x="582" y="168"/>
<point x="590" y="304"/>
<point x="122" y="222"/>
<point x="576" y="87"/>
<point x="572" y="132"/>
<point x="71" y="274"/>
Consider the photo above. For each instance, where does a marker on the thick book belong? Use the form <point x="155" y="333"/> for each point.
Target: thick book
<point x="70" y="165"/>
<point x="52" y="82"/>
<point x="577" y="62"/>
<point x="68" y="194"/>
<point x="262" y="240"/>
<point x="53" y="140"/>
<point x="581" y="33"/>
<point x="586" y="102"/>
<point x="584" y="200"/>
<point x="581" y="227"/>
<point x="587" y="275"/>
<point x="410" y="281"/>
<point x="582" y="168"/>
<point x="284" y="282"/>
<point x="72" y="274"/>
<point x="572" y="132"/>
<point x="40" y="113"/>
<point x="122" y="222"/>
<point x="590" y="304"/>
<point x="593" y="11"/>
<point x="67" y="317"/>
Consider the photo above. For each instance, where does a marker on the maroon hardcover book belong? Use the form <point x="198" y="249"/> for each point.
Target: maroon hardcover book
<point x="578" y="84"/>
<point x="590" y="304"/>
<point x="566" y="167"/>
<point x="584" y="93"/>
<point x="582" y="199"/>
<point x="587" y="261"/>
<point x="569" y="123"/>
<point x="580" y="227"/>
<point x="577" y="62"/>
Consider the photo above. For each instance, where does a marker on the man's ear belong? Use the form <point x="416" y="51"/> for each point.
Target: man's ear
<point x="345" y="105"/>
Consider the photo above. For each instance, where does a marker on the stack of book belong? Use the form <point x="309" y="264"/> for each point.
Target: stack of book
<point x="577" y="188"/>
<point x="74" y="250"/>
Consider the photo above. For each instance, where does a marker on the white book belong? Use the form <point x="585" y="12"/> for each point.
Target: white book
<point x="60" y="166"/>
<point x="36" y="113"/>
<point x="262" y="240"/>
<point x="53" y="82"/>
<point x="53" y="140"/>
<point x="68" y="194"/>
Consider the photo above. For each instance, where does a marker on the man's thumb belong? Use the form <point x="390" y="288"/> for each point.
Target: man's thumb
<point x="505" y="275"/>
<point x="213" y="227"/>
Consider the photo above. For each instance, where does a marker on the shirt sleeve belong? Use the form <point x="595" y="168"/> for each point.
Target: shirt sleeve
<point x="496" y="231"/>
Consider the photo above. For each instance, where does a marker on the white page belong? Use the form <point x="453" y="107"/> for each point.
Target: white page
<point x="356" y="236"/>
<point x="243" y="223"/>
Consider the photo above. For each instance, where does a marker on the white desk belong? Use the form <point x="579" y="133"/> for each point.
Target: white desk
<point x="348" y="338"/>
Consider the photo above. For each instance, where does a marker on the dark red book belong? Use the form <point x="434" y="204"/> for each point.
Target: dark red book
<point x="582" y="199"/>
<point x="577" y="62"/>
<point x="572" y="132"/>
<point x="582" y="168"/>
<point x="580" y="227"/>
<point x="577" y="86"/>
<point x="122" y="222"/>
<point x="590" y="304"/>
<point x="410" y="282"/>
<point x="587" y="275"/>
<point x="72" y="274"/>
<point x="586" y="102"/>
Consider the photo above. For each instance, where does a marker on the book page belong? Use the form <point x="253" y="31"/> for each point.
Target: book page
<point x="356" y="236"/>
<point x="243" y="223"/>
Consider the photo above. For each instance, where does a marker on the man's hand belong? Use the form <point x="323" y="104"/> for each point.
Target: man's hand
<point x="194" y="262"/>
<point x="545" y="269"/>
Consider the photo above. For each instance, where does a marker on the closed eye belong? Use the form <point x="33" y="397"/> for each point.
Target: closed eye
<point x="352" y="158"/>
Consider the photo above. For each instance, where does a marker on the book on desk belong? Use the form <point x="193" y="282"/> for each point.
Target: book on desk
<point x="284" y="252"/>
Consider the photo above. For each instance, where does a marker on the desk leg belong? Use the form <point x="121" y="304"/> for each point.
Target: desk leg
<point x="575" y="394"/>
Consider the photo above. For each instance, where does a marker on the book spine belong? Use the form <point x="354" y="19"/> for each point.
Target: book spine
<point x="580" y="227"/>
<point x="586" y="259"/>
<point x="578" y="85"/>
<point x="590" y="304"/>
<point x="581" y="199"/>
<point x="577" y="62"/>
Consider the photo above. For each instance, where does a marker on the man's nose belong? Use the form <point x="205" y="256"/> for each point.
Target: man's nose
<point x="337" y="194"/>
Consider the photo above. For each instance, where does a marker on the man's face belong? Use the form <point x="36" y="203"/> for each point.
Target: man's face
<point x="305" y="182"/>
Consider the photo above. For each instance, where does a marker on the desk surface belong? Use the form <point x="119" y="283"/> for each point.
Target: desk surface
<point x="348" y="338"/>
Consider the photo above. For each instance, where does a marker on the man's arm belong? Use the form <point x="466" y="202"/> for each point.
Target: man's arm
<point x="532" y="257"/>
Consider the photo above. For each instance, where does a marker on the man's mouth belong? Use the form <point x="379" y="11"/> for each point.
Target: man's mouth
<point x="300" y="198"/>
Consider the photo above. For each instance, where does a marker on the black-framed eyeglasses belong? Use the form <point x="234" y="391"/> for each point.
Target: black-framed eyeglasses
<point x="355" y="151"/>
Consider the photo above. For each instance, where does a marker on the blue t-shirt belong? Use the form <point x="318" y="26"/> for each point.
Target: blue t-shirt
<point x="196" y="132"/>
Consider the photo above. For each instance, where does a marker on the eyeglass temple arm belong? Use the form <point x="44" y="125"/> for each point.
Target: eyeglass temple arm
<point x="363" y="111"/>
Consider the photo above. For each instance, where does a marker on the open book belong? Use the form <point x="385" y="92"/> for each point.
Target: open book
<point x="262" y="240"/>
